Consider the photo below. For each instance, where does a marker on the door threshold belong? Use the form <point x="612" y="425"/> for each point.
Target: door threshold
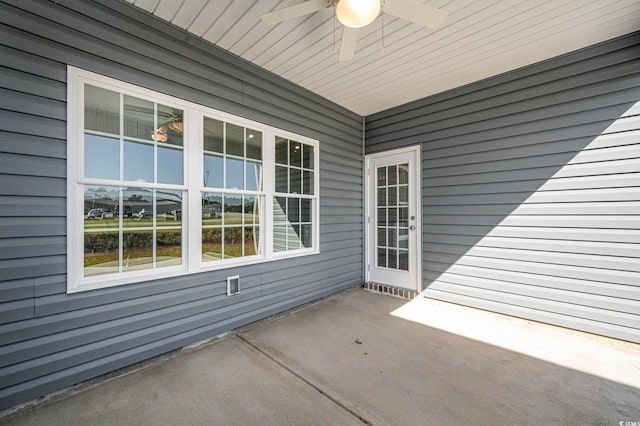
<point x="403" y="293"/>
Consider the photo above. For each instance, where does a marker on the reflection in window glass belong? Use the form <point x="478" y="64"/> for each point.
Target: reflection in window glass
<point x="138" y="118"/>
<point x="282" y="179"/>
<point x="170" y="163"/>
<point x="101" y="253"/>
<point x="294" y="174"/>
<point x="282" y="151"/>
<point x="305" y="210"/>
<point x="393" y="216"/>
<point x="307" y="156"/>
<point x="251" y="210"/>
<point x="254" y="176"/>
<point x="213" y="135"/>
<point x="306" y="235"/>
<point x="137" y="250"/>
<point x="120" y="224"/>
<point x="138" y="162"/>
<point x="213" y="171"/>
<point x="170" y="126"/>
<point x="101" y="110"/>
<point x="307" y="182"/>
<point x="230" y="226"/>
<point x="294" y="241"/>
<point x="254" y="144"/>
<point x="234" y="173"/>
<point x="292" y="223"/>
<point x="169" y="209"/>
<point x="295" y="154"/>
<point x="238" y="165"/>
<point x="295" y="181"/>
<point x="101" y="157"/>
<point x="234" y="140"/>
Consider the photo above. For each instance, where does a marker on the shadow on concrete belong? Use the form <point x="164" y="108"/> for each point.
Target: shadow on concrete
<point x="347" y="360"/>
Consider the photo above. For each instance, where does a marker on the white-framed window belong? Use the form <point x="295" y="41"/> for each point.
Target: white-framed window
<point x="160" y="187"/>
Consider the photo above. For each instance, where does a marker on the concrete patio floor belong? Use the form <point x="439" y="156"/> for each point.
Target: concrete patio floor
<point x="360" y="357"/>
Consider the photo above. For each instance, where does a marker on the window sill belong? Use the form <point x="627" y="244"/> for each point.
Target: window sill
<point x="96" y="283"/>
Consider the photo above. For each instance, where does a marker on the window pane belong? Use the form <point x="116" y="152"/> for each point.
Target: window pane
<point x="100" y="207"/>
<point x="213" y="135"/>
<point x="307" y="156"/>
<point x="382" y="237"/>
<point x="254" y="144"/>
<point x="137" y="250"/>
<point x="392" y="195"/>
<point x="403" y="260"/>
<point x="382" y="257"/>
<point x="251" y="241"/>
<point x="306" y="234"/>
<point x="168" y="247"/>
<point x="295" y="154"/>
<point x="279" y="238"/>
<point x="139" y="119"/>
<point x="235" y="140"/>
<point x="213" y="171"/>
<point x="392" y="241"/>
<point x="403" y="195"/>
<point x="211" y="244"/>
<point x="393" y="216"/>
<point x="293" y="212"/>
<point x="101" y="252"/>
<point x="170" y="123"/>
<point x="251" y="210"/>
<point x="382" y="176"/>
<point x="382" y="196"/>
<point x="295" y="181"/>
<point x="403" y="174"/>
<point x="235" y="173"/>
<point x="305" y="210"/>
<point x="403" y="238"/>
<point x="140" y="201"/>
<point x="282" y="179"/>
<point x="382" y="217"/>
<point x="211" y="209"/>
<point x="138" y="162"/>
<point x="392" y="259"/>
<point x="403" y="217"/>
<point x="307" y="182"/>
<point x="280" y="210"/>
<point x="392" y="176"/>
<point x="282" y="151"/>
<point x="232" y="210"/>
<point x="170" y="165"/>
<point x="168" y="208"/>
<point x="101" y="157"/>
<point x="232" y="241"/>
<point x="293" y="237"/>
<point x="254" y="176"/>
<point x="101" y="110"/>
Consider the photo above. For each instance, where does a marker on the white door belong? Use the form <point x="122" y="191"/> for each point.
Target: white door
<point x="393" y="218"/>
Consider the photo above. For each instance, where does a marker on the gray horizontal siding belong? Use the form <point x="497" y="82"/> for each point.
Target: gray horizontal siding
<point x="531" y="189"/>
<point x="49" y="339"/>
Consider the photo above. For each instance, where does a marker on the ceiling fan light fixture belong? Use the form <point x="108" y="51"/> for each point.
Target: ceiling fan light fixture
<point x="357" y="13"/>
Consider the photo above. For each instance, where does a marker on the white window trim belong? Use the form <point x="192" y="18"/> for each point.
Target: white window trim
<point x="193" y="187"/>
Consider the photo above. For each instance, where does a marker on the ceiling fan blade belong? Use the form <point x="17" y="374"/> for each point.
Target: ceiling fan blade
<point x="348" y="43"/>
<point x="294" y="11"/>
<point x="415" y="12"/>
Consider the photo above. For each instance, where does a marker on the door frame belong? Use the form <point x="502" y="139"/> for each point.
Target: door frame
<point x="368" y="236"/>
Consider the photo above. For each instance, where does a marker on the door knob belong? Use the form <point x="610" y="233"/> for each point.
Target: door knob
<point x="412" y="227"/>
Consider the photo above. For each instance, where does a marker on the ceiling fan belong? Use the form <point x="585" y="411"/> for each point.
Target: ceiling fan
<point x="355" y="14"/>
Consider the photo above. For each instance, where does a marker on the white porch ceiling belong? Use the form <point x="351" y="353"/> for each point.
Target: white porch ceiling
<point x="479" y="39"/>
